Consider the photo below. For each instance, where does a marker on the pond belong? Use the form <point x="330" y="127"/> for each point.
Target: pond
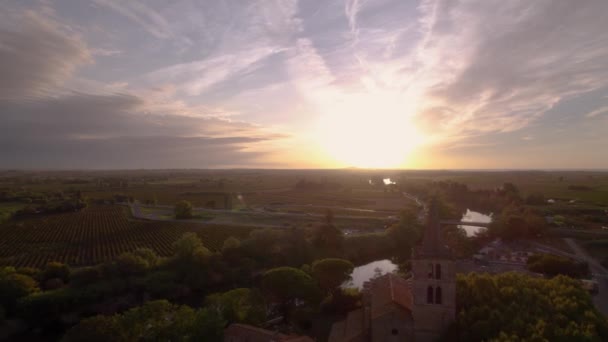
<point x="366" y="272"/>
<point x="474" y="216"/>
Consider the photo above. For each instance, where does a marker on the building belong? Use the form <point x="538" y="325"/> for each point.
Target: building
<point x="419" y="308"/>
<point x="248" y="333"/>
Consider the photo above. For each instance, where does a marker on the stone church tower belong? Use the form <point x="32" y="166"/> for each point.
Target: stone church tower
<point x="433" y="282"/>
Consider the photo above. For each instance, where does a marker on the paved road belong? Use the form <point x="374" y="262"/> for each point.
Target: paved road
<point x="600" y="275"/>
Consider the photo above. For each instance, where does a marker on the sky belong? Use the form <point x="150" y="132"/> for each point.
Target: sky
<point x="457" y="84"/>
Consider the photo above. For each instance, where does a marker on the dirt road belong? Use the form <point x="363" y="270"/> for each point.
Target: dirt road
<point x="600" y="274"/>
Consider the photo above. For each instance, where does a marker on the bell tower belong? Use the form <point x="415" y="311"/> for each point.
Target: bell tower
<point x="433" y="282"/>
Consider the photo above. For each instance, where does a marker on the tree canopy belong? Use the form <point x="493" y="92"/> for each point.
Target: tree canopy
<point x="327" y="235"/>
<point x="239" y="306"/>
<point x="183" y="210"/>
<point x="331" y="273"/>
<point x="553" y="265"/>
<point x="286" y="285"/>
<point x="14" y="286"/>
<point x="516" y="307"/>
<point x="153" y="321"/>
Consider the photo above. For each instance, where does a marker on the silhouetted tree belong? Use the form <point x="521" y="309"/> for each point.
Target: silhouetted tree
<point x="331" y="273"/>
<point x="183" y="210"/>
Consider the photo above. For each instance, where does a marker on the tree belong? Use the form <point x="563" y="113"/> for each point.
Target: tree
<point x="183" y="210"/>
<point x="161" y="284"/>
<point x="239" y="306"/>
<point x="327" y="235"/>
<point x="148" y="255"/>
<point x="85" y="276"/>
<point x="498" y="308"/>
<point x="14" y="286"/>
<point x="95" y="329"/>
<point x="405" y="233"/>
<point x="230" y="243"/>
<point x="190" y="261"/>
<point x="331" y="273"/>
<point x="190" y="247"/>
<point x="517" y="222"/>
<point x="286" y="285"/>
<point x="154" y="321"/>
<point x="129" y="264"/>
<point x="56" y="270"/>
<point x="553" y="265"/>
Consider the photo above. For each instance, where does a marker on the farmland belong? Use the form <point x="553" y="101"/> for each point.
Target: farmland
<point x="94" y="235"/>
<point x="232" y="202"/>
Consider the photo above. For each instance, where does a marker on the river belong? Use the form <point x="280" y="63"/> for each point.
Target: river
<point x="474" y="216"/>
<point x="366" y="272"/>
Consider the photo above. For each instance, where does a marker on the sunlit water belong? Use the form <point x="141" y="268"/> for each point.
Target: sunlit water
<point x="386" y="181"/>
<point x="474" y="216"/>
<point x="365" y="272"/>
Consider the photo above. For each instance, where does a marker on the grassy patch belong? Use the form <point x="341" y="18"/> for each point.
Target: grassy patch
<point x="7" y="209"/>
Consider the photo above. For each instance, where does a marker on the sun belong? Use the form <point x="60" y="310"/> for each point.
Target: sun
<point x="369" y="131"/>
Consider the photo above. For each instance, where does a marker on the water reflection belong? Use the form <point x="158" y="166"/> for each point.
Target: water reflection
<point x="388" y="181"/>
<point x="385" y="181"/>
<point x="474" y="216"/>
<point x="365" y="272"/>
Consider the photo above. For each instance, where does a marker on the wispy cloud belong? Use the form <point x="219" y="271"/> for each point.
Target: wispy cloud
<point x="351" y="8"/>
<point x="197" y="77"/>
<point x="148" y="18"/>
<point x="37" y="56"/>
<point x="105" y="52"/>
<point x="596" y="112"/>
<point x="501" y="79"/>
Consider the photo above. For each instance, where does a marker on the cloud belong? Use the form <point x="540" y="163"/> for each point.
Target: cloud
<point x="105" y="52"/>
<point x="199" y="76"/>
<point x="118" y="124"/>
<point x="149" y="19"/>
<point x="470" y="67"/>
<point x="499" y="67"/>
<point x="37" y="55"/>
<point x="351" y="8"/>
<point x="457" y="70"/>
<point x="596" y="112"/>
<point x="102" y="131"/>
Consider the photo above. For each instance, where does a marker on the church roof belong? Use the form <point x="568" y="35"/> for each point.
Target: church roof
<point x="432" y="244"/>
<point x="387" y="294"/>
<point x="350" y="329"/>
<point x="388" y="290"/>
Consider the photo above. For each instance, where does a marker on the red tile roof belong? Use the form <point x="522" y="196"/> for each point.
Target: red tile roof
<point x="388" y="290"/>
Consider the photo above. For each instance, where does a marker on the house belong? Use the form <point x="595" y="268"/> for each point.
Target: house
<point x="419" y="308"/>
<point x="248" y="333"/>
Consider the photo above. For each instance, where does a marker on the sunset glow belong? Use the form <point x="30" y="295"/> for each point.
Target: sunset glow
<point x="303" y="84"/>
<point x="372" y="131"/>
